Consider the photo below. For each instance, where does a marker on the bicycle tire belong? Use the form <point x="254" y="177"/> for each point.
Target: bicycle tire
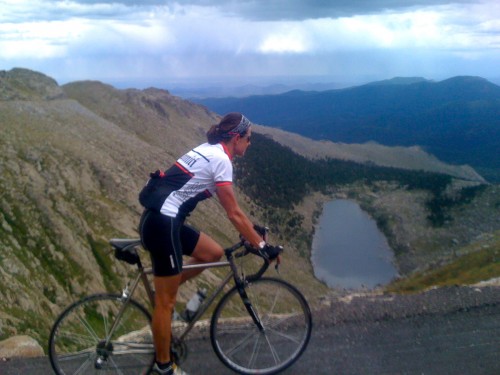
<point x="285" y="316"/>
<point x="77" y="343"/>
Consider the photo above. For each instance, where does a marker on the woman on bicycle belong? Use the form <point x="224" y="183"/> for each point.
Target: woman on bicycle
<point x="197" y="175"/>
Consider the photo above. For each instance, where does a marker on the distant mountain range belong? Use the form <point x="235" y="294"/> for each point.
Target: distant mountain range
<point x="457" y="119"/>
<point x="198" y="90"/>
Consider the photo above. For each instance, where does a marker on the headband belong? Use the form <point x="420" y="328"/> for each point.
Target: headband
<point x="241" y="129"/>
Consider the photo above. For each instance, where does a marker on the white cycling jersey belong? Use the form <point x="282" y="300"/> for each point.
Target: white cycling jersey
<point x="195" y="177"/>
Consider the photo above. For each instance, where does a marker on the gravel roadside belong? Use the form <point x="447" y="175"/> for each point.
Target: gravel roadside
<point x="380" y="306"/>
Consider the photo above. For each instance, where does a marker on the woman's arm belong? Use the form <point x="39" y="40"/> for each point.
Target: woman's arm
<point x="226" y="196"/>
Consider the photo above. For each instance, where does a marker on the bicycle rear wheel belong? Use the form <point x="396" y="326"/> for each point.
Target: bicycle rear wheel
<point x="81" y="341"/>
<point x="286" y="320"/>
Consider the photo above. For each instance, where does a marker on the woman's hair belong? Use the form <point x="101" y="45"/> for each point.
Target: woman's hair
<point x="230" y="125"/>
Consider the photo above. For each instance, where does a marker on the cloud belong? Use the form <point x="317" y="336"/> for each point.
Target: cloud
<point x="165" y="39"/>
<point x="279" y="10"/>
<point x="252" y="10"/>
<point x="303" y="9"/>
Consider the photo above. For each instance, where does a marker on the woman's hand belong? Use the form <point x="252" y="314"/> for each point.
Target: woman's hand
<point x="271" y="253"/>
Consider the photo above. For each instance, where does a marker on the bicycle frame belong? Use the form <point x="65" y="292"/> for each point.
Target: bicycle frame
<point x="239" y="282"/>
<point x="232" y="274"/>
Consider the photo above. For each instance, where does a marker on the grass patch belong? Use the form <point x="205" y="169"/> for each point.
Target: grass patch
<point x="100" y="250"/>
<point x="468" y="269"/>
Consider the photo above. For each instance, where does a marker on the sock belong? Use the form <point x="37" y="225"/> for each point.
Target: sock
<point x="165" y="366"/>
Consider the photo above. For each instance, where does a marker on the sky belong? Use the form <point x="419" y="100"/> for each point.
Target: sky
<point x="142" y="43"/>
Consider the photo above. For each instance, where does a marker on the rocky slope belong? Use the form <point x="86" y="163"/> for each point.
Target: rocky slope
<point x="419" y="246"/>
<point x="69" y="179"/>
<point x="72" y="161"/>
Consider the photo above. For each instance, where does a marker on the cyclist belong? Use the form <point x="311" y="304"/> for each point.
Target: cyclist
<point x="169" y="197"/>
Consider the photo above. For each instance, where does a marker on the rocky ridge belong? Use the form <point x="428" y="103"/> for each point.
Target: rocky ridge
<point x="24" y="84"/>
<point x="398" y="157"/>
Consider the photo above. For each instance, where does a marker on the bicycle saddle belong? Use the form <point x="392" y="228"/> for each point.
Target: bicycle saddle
<point x="125" y="249"/>
<point x="123" y="243"/>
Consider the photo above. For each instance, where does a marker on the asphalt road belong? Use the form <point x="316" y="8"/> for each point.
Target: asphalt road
<point x="451" y="331"/>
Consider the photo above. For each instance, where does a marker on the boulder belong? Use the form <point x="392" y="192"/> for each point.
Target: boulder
<point x="20" y="346"/>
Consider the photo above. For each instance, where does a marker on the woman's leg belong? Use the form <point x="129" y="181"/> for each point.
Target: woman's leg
<point x="160" y="235"/>
<point x="205" y="251"/>
<point x="166" y="287"/>
<point x="165" y="295"/>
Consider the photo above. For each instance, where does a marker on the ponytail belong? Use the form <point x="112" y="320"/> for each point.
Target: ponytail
<point x="213" y="135"/>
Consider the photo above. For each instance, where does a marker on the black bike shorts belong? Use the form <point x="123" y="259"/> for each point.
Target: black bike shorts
<point x="166" y="239"/>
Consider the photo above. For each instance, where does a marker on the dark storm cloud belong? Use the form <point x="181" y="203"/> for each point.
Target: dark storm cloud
<point x="269" y="10"/>
<point x="304" y="9"/>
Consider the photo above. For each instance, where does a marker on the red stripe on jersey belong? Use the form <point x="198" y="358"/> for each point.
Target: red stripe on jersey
<point x="223" y="183"/>
<point x="226" y="150"/>
<point x="184" y="169"/>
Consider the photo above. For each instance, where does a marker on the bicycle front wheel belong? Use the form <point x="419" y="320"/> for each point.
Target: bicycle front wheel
<point x="286" y="324"/>
<point x="102" y="334"/>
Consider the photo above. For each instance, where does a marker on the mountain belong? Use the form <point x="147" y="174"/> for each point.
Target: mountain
<point x="398" y="81"/>
<point x="24" y="84"/>
<point x="74" y="157"/>
<point x="72" y="161"/>
<point x="412" y="158"/>
<point x="457" y="120"/>
<point x="221" y="90"/>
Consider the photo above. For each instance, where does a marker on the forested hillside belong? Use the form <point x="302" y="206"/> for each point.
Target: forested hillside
<point x="457" y="119"/>
<point x="277" y="177"/>
<point x="427" y="217"/>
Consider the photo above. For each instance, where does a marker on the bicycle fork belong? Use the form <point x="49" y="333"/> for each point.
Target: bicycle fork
<point x="240" y="285"/>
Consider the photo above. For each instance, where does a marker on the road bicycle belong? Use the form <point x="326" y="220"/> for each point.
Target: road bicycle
<point x="261" y="325"/>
